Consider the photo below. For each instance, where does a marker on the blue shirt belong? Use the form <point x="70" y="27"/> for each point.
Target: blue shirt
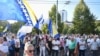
<point x="12" y="44"/>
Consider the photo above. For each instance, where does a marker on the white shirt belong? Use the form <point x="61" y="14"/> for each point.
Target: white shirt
<point x="89" y="41"/>
<point x="94" y="45"/>
<point x="55" y="45"/>
<point x="6" y="43"/>
<point x="3" y="48"/>
<point x="78" y="39"/>
<point x="98" y="41"/>
<point x="82" y="45"/>
<point x="67" y="42"/>
<point x="17" y="43"/>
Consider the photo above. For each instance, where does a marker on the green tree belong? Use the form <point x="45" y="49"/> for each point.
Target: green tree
<point x="84" y="20"/>
<point x="3" y="25"/>
<point x="97" y="30"/>
<point x="15" y="27"/>
<point x="65" y="30"/>
<point x="35" y="30"/>
<point x="71" y="30"/>
<point x="52" y="15"/>
<point x="45" y="29"/>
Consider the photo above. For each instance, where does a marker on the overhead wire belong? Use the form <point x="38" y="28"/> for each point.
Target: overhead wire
<point x="60" y="2"/>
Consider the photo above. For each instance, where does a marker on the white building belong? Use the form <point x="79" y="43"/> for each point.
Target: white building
<point x="63" y="14"/>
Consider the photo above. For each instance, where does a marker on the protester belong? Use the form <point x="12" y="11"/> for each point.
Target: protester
<point x="3" y="48"/>
<point x="62" y="43"/>
<point x="75" y="44"/>
<point x="49" y="46"/>
<point x="12" y="46"/>
<point x="72" y="47"/>
<point x="94" y="47"/>
<point x="17" y="46"/>
<point x="67" y="43"/>
<point x="29" y="49"/>
<point x="42" y="46"/>
<point x="55" y="47"/>
<point x="82" y="47"/>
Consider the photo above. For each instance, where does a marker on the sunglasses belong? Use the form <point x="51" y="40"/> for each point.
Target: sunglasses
<point x="31" y="51"/>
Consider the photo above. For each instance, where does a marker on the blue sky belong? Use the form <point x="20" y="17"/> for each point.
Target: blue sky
<point x="94" y="6"/>
<point x="41" y="7"/>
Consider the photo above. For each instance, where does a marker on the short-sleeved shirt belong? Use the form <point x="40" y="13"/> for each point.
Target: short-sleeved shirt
<point x="94" y="45"/>
<point x="55" y="44"/>
<point x="72" y="45"/>
<point x="82" y="47"/>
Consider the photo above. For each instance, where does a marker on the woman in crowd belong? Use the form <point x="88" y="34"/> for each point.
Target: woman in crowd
<point x="3" y="48"/>
<point x="17" y="46"/>
<point x="5" y="42"/>
<point x="49" y="46"/>
<point x="29" y="49"/>
<point x="42" y="45"/>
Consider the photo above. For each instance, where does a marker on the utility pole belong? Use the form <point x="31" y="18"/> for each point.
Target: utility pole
<point x="67" y="2"/>
<point x="57" y="15"/>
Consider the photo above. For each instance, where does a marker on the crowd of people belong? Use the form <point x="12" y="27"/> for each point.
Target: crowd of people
<point x="46" y="45"/>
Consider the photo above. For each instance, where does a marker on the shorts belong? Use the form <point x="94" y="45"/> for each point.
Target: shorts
<point x="16" y="49"/>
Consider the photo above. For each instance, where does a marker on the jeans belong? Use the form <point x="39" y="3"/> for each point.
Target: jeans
<point x="11" y="53"/>
<point x="95" y="52"/>
<point x="42" y="51"/>
<point x="55" y="52"/>
<point x="71" y="52"/>
<point x="66" y="52"/>
<point x="81" y="52"/>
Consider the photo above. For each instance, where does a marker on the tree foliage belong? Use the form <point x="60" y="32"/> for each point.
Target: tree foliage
<point x="52" y="13"/>
<point x="15" y="27"/>
<point x="45" y="29"/>
<point x="66" y="28"/>
<point x="97" y="23"/>
<point x="3" y="25"/>
<point x="84" y="20"/>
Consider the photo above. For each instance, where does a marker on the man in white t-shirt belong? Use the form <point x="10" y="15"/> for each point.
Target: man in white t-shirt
<point x="94" y="47"/>
<point x="82" y="47"/>
<point x="98" y="40"/>
<point x="89" y="40"/>
<point x="55" y="47"/>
